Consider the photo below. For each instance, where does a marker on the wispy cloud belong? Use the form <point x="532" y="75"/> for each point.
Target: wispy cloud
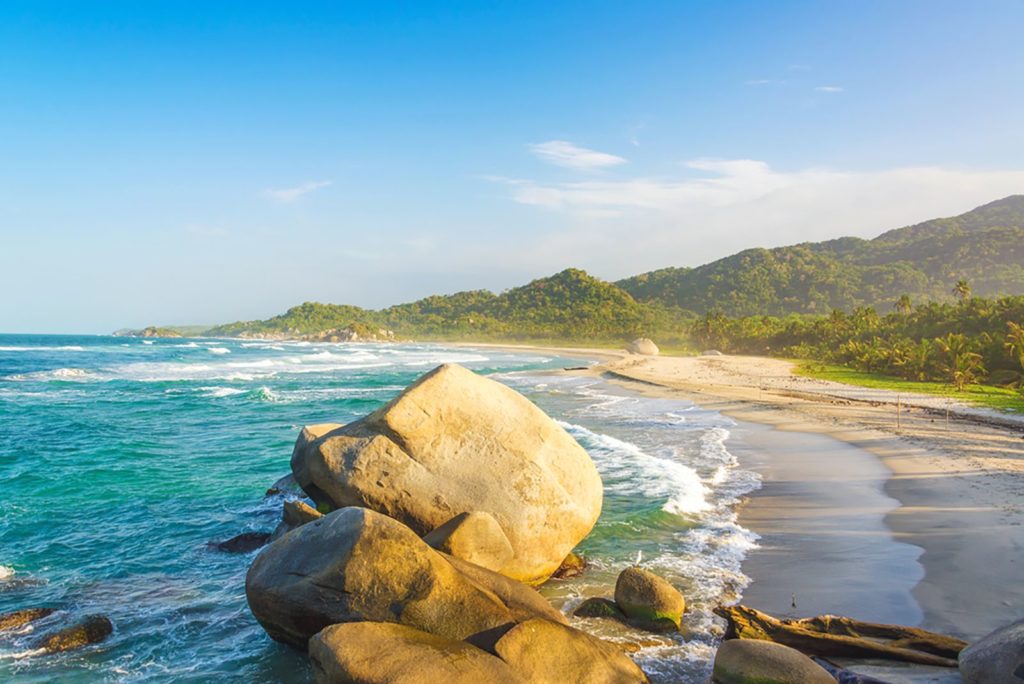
<point x="291" y="194"/>
<point x="564" y="153"/>
<point x="719" y="206"/>
<point x="829" y="89"/>
<point x="764" y="81"/>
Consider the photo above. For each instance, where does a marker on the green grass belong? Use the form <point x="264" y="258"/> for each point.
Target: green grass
<point x="981" y="395"/>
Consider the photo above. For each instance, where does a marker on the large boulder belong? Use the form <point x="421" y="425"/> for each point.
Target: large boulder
<point x="20" y="618"/>
<point x="744" y="661"/>
<point x="388" y="653"/>
<point x="354" y="565"/>
<point x="544" y="652"/>
<point x="453" y="442"/>
<point x="644" y="346"/>
<point x="474" y="537"/>
<point x="648" y="600"/>
<point x="998" y="657"/>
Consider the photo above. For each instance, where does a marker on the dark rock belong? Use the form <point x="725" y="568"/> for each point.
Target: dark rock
<point x="92" y="630"/>
<point x="599" y="608"/>
<point x="243" y="543"/>
<point x="572" y="566"/>
<point x="18" y="618"/>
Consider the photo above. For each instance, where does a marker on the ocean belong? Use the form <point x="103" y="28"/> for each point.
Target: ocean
<point x="121" y="458"/>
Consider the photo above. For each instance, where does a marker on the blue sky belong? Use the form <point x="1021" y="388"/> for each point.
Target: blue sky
<point x="180" y="162"/>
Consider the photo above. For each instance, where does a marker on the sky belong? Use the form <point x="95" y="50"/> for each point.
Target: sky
<point x="203" y="162"/>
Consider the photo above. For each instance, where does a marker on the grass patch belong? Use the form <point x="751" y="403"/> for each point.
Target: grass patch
<point x="988" y="396"/>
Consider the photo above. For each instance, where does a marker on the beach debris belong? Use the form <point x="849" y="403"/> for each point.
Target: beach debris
<point x="997" y="657"/>
<point x="242" y="543"/>
<point x="643" y="346"/>
<point x="572" y="566"/>
<point x="91" y="630"/>
<point x="475" y="537"/>
<point x="547" y="652"/>
<point x="358" y="565"/>
<point x="456" y="441"/>
<point x="833" y="636"/>
<point x="20" y="618"/>
<point x="295" y="513"/>
<point x="398" y="654"/>
<point x="764" y="662"/>
<point x="649" y="601"/>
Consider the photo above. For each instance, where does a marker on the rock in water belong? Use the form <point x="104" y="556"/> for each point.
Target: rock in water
<point x="92" y="630"/>
<point x="648" y="600"/>
<point x="295" y="513"/>
<point x="745" y="661"/>
<point x="544" y="652"/>
<point x="19" y="618"/>
<point x="572" y="565"/>
<point x="644" y="346"/>
<point x="387" y="653"/>
<point x="453" y="442"/>
<point x="354" y="565"/>
<point x="473" y="537"/>
<point x="998" y="657"/>
<point x="242" y="543"/>
<point x="595" y="607"/>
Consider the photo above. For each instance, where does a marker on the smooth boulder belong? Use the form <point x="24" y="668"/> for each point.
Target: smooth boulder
<point x="388" y="653"/>
<point x="455" y="441"/>
<point x="545" y="652"/>
<point x="997" y="657"/>
<point x="357" y="565"/>
<point x="648" y="600"/>
<point x="473" y="537"/>
<point x="747" y="661"/>
<point x="644" y="346"/>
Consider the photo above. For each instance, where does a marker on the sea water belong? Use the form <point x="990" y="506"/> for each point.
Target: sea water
<point x="121" y="458"/>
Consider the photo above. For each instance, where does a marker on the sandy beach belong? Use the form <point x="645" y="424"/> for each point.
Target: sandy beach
<point x="843" y="532"/>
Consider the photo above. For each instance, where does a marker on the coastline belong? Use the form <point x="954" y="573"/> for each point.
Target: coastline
<point x="953" y="487"/>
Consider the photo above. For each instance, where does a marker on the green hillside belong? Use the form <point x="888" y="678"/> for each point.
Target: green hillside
<point x="984" y="246"/>
<point x="568" y="305"/>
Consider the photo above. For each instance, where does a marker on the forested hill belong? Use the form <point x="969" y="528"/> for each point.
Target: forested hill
<point x="984" y="246"/>
<point x="568" y="305"/>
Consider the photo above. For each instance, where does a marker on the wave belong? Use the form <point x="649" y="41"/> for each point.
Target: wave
<point x="6" y="573"/>
<point x="190" y="345"/>
<point x="71" y="348"/>
<point x="219" y="350"/>
<point x="627" y="469"/>
<point x="218" y="392"/>
<point x="264" y="394"/>
<point x="69" y="374"/>
<point x="147" y="341"/>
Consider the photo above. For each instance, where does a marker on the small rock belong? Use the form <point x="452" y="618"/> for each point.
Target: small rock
<point x="648" y="600"/>
<point x="92" y="630"/>
<point x="997" y="657"/>
<point x="598" y="608"/>
<point x="643" y="346"/>
<point x="743" y="661"/>
<point x="387" y="653"/>
<point x="475" y="537"/>
<point x="294" y="513"/>
<point x="711" y="352"/>
<point x="284" y="485"/>
<point x="17" y="618"/>
<point x="572" y="566"/>
<point x="544" y="652"/>
<point x="243" y="543"/>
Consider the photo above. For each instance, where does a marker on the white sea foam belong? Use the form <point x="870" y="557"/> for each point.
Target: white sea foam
<point x="218" y="392"/>
<point x="190" y="345"/>
<point x="627" y="469"/>
<point x="264" y="394"/>
<point x="72" y="374"/>
<point x="147" y="341"/>
<point x="6" y="573"/>
<point x="71" y="348"/>
<point x="219" y="350"/>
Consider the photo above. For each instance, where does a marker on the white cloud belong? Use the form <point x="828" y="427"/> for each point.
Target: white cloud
<point x="620" y="227"/>
<point x="829" y="89"/>
<point x="764" y="81"/>
<point x="564" y="153"/>
<point x="292" y="194"/>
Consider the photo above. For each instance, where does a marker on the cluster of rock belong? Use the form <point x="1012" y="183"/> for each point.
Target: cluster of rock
<point x="642" y="600"/>
<point x="92" y="629"/>
<point x="431" y="518"/>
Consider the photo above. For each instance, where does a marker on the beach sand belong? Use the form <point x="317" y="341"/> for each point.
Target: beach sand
<point x="898" y="508"/>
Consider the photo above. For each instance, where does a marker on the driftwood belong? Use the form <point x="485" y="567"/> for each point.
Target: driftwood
<point x="841" y="637"/>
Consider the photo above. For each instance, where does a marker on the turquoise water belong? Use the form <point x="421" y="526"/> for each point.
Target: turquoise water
<point x="120" y="458"/>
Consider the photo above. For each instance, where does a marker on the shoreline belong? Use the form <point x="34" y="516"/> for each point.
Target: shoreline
<point x="956" y="486"/>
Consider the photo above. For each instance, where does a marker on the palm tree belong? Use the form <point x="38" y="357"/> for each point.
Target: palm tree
<point x="1014" y="346"/>
<point x="961" y="366"/>
<point x="904" y="305"/>
<point x="962" y="290"/>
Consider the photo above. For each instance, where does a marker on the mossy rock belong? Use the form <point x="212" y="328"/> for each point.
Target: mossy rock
<point x="595" y="607"/>
<point x="648" y="601"/>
